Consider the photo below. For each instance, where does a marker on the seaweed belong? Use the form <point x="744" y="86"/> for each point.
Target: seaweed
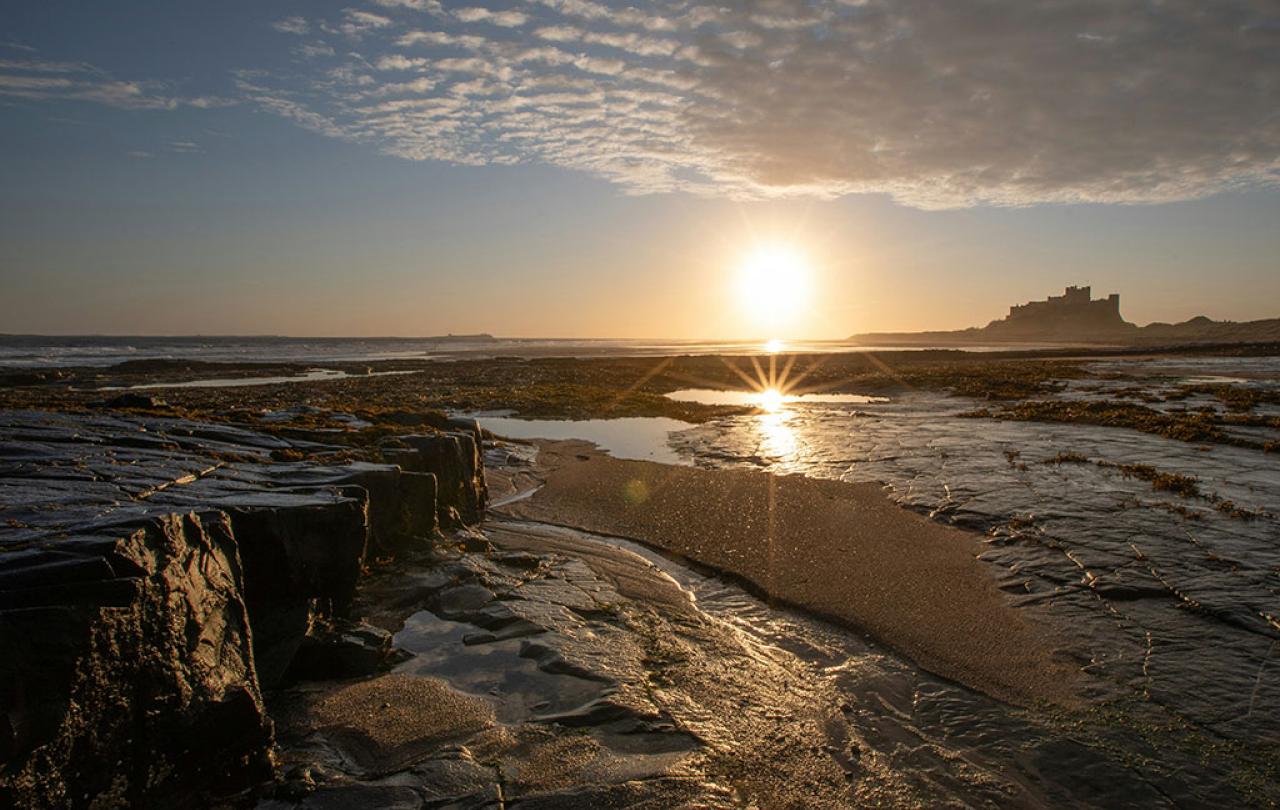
<point x="1066" y="458"/>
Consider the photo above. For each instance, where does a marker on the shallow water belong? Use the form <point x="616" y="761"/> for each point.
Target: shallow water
<point x="314" y="375"/>
<point x="1167" y="600"/>
<point x="640" y="437"/>
<point x="1171" y="603"/>
<point x="949" y="743"/>
<point x="710" y="396"/>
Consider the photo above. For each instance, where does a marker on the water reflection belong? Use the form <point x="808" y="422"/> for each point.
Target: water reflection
<point x="769" y="399"/>
<point x="778" y="440"/>
<point x="644" y="438"/>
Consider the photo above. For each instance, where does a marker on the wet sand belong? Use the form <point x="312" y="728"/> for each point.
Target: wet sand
<point x="842" y="551"/>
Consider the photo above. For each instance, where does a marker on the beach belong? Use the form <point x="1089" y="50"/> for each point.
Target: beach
<point x="945" y="579"/>
<point x="840" y="551"/>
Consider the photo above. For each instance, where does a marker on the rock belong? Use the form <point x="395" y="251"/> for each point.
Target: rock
<point x="139" y="402"/>
<point x="456" y="462"/>
<point x="341" y="650"/>
<point x="403" y="513"/>
<point x="302" y="556"/>
<point x="353" y="796"/>
<point x="132" y="681"/>
<point x="157" y="573"/>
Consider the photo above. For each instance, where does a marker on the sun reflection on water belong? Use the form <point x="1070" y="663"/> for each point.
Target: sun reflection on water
<point x="771" y="400"/>
<point x="778" y="438"/>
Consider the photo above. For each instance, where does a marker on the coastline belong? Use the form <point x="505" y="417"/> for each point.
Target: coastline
<point x="904" y="663"/>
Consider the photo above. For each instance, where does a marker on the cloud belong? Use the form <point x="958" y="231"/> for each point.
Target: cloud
<point x="1006" y="102"/>
<point x="292" y="25"/>
<point x="506" y="19"/>
<point x="358" y="23"/>
<point x="43" y="80"/>
<point x="314" y="50"/>
<point x="398" y="62"/>
<point x="428" y="6"/>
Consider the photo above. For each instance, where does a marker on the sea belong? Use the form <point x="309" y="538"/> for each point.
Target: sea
<point x="36" y="351"/>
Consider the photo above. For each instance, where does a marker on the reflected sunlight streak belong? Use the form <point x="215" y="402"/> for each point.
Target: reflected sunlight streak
<point x="777" y="438"/>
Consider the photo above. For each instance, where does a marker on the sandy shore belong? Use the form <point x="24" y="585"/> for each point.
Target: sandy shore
<point x="843" y="551"/>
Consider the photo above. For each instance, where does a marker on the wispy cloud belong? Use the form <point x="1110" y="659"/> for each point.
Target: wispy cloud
<point x="292" y="25"/>
<point x="938" y="104"/>
<point x="358" y="23"/>
<point x="506" y="19"/>
<point x="428" y="6"/>
<point x="44" y="80"/>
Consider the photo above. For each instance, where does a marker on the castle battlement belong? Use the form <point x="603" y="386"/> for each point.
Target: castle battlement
<point x="1074" y="302"/>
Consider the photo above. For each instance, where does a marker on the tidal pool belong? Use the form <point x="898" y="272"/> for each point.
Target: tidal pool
<point x="312" y="375"/>
<point x="770" y="399"/>
<point x="642" y="438"/>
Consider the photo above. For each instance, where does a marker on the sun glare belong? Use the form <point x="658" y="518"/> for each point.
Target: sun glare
<point x="773" y="346"/>
<point x="771" y="399"/>
<point x="773" y="284"/>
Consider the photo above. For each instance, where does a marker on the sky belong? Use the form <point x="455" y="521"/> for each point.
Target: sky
<point x="578" y="168"/>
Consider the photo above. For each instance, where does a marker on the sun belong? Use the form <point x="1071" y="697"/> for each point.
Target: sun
<point x="773" y="284"/>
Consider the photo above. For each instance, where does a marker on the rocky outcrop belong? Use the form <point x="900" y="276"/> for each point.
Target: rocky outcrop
<point x="128" y="674"/>
<point x="157" y="574"/>
<point x="302" y="559"/>
<point x="455" y="460"/>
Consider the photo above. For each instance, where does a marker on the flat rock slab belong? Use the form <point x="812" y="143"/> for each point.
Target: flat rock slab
<point x="843" y="551"/>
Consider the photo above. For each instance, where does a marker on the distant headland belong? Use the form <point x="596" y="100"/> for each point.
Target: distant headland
<point x="1077" y="317"/>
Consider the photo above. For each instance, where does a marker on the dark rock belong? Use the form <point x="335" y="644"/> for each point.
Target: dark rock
<point x="343" y="650"/>
<point x="402" y="504"/>
<point x="137" y="402"/>
<point x="157" y="573"/>
<point x="352" y="796"/>
<point x="461" y="601"/>
<point x="302" y="559"/>
<point x="456" y="462"/>
<point x="140" y="690"/>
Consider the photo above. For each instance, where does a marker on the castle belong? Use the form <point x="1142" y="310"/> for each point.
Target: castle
<point x="1074" y="315"/>
<point x="1076" y="302"/>
<point x="1075" y="318"/>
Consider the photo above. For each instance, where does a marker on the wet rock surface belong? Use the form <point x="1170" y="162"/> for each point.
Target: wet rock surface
<point x="600" y="682"/>
<point x="127" y="669"/>
<point x="157" y="574"/>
